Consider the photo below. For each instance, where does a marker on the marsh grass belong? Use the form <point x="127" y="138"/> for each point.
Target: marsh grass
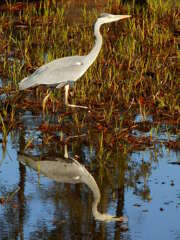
<point x="137" y="70"/>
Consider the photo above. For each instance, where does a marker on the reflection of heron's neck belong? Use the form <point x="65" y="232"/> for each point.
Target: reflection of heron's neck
<point x="98" y="43"/>
<point x="91" y="183"/>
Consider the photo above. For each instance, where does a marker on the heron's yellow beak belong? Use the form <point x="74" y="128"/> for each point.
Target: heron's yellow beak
<point x="123" y="16"/>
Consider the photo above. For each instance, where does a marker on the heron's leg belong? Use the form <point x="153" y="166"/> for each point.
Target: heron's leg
<point x="45" y="100"/>
<point x="66" y="94"/>
<point x="65" y="151"/>
<point x="66" y="99"/>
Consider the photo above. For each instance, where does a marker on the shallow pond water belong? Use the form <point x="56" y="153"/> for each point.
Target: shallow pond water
<point x="34" y="206"/>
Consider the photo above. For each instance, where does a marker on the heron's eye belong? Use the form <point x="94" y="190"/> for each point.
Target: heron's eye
<point x="104" y="15"/>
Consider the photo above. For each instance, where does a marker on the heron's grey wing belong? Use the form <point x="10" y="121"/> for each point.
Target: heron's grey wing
<point x="58" y="71"/>
<point x="63" y="74"/>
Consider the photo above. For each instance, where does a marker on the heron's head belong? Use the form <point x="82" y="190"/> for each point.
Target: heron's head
<point x="108" y="18"/>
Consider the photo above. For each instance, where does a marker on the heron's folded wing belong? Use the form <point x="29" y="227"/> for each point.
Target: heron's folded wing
<point x="56" y="72"/>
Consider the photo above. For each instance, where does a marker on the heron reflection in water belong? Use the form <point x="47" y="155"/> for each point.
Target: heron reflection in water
<point x="64" y="71"/>
<point x="69" y="170"/>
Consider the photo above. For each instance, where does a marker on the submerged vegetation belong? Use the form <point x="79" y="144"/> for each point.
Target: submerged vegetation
<point x="136" y="74"/>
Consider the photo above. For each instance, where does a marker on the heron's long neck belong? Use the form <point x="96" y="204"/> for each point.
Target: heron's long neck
<point x="98" y="43"/>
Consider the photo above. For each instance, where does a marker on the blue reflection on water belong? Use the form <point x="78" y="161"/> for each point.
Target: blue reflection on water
<point x="156" y="218"/>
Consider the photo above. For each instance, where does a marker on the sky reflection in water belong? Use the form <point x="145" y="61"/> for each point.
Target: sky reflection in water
<point x="48" y="208"/>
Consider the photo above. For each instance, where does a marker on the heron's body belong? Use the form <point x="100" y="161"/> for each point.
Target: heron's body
<point x="62" y="71"/>
<point x="58" y="72"/>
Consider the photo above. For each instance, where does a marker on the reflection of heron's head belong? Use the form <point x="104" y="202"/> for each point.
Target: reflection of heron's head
<point x="109" y="218"/>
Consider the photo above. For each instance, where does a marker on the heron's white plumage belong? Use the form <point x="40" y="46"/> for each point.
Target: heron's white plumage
<point x="68" y="69"/>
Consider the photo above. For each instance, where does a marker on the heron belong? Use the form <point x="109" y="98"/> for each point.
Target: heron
<point x="68" y="170"/>
<point x="63" y="72"/>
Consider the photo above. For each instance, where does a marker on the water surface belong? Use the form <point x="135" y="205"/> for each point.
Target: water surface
<point x="148" y="194"/>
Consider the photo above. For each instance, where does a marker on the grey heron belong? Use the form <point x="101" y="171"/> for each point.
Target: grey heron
<point x="63" y="71"/>
<point x="69" y="170"/>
